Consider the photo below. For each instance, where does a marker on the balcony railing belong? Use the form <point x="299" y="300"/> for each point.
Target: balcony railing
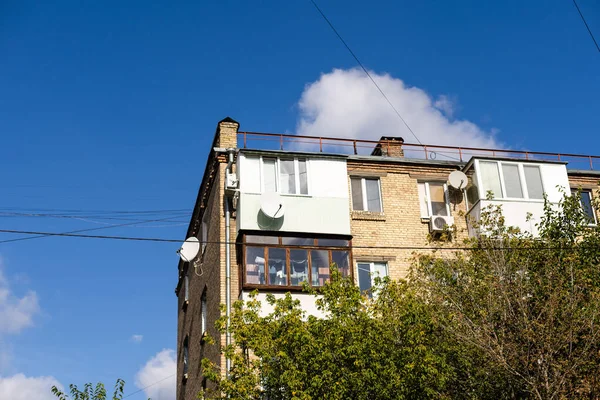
<point x="289" y="142"/>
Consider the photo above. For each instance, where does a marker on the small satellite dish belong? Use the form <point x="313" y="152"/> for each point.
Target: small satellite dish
<point x="271" y="204"/>
<point x="189" y="250"/>
<point x="458" y="180"/>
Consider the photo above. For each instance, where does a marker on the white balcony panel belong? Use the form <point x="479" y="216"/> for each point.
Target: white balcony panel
<point x="307" y="303"/>
<point x="302" y="214"/>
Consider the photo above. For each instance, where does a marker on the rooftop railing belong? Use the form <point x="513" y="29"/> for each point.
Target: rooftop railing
<point x="289" y="142"/>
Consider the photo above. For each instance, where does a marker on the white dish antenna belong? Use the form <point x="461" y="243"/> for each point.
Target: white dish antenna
<point x="458" y="180"/>
<point x="189" y="249"/>
<point x="271" y="204"/>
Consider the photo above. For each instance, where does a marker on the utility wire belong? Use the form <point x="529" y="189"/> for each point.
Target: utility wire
<point x="586" y="25"/>
<point x="365" y="70"/>
<point x="166" y="240"/>
<point x="73" y="233"/>
<point x="146" y="387"/>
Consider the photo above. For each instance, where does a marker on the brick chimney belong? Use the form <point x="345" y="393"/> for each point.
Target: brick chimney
<point x="226" y="135"/>
<point x="389" y="146"/>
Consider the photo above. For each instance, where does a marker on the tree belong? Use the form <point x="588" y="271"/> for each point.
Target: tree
<point x="530" y="305"/>
<point x="91" y="393"/>
<point x="385" y="347"/>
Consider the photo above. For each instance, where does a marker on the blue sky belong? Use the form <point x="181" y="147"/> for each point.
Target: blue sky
<point x="112" y="106"/>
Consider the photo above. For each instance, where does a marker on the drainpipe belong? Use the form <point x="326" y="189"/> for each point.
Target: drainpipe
<point x="226" y="200"/>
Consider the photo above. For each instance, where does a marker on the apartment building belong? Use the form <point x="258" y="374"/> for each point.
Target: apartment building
<point x="274" y="211"/>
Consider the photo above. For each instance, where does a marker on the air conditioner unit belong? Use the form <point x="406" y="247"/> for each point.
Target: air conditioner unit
<point x="438" y="223"/>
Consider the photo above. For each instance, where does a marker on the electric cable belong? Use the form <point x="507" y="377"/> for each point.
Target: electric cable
<point x="586" y="25"/>
<point x="167" y="240"/>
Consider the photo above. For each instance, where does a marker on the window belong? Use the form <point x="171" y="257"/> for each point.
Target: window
<point x="367" y="272"/>
<point x="186" y="355"/>
<point x="585" y="197"/>
<point x="203" y="311"/>
<point x="510" y="180"/>
<point x="286" y="176"/>
<point x="186" y="288"/>
<point x="292" y="261"/>
<point x="204" y="229"/>
<point x="366" y="194"/>
<point x="433" y="199"/>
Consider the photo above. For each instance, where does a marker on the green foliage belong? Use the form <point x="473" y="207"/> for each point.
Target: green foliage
<point x="529" y="305"/>
<point x="382" y="348"/>
<point x="91" y="393"/>
<point x="512" y="317"/>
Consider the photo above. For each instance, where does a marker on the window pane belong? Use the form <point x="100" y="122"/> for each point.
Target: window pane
<point x="380" y="270"/>
<point x="423" y="200"/>
<point x="341" y="260"/>
<point x="255" y="265"/>
<point x="490" y="179"/>
<point x="586" y="203"/>
<point x="438" y="199"/>
<point x="298" y="266"/>
<point x="270" y="174"/>
<point x="262" y="239"/>
<point x="512" y="180"/>
<point x="297" y="241"/>
<point x="204" y="312"/>
<point x="319" y="261"/>
<point x="287" y="178"/>
<point x="303" y="176"/>
<point x="186" y="283"/>
<point x="533" y="179"/>
<point x="357" y="200"/>
<point x="333" y="242"/>
<point x="277" y="267"/>
<point x="364" y="276"/>
<point x="373" y="199"/>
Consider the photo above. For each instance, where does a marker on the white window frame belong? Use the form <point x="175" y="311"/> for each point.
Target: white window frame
<point x="371" y="272"/>
<point x="428" y="199"/>
<point x="278" y="176"/>
<point x="363" y="190"/>
<point x="590" y="192"/>
<point x="524" y="188"/>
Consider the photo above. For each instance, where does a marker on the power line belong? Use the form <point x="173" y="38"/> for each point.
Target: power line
<point x="146" y="387"/>
<point x="586" y="25"/>
<point x="365" y="70"/>
<point x="166" y="240"/>
<point x="73" y="233"/>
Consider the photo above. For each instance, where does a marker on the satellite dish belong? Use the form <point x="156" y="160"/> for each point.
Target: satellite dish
<point x="189" y="250"/>
<point x="458" y="180"/>
<point x="271" y="204"/>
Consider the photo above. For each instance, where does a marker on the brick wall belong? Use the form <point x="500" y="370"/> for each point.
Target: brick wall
<point x="400" y="224"/>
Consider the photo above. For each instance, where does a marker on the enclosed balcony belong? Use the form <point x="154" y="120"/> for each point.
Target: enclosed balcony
<point x="519" y="186"/>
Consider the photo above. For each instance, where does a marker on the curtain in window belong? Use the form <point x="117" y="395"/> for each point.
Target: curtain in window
<point x="287" y="177"/>
<point x="303" y="176"/>
<point x="438" y="199"/>
<point x="423" y="200"/>
<point x="373" y="199"/>
<point x="270" y="174"/>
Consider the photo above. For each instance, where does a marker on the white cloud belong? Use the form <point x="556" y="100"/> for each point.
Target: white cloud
<point x="345" y="103"/>
<point x="137" y="338"/>
<point x="446" y="105"/>
<point x="16" y="313"/>
<point x="21" y="387"/>
<point x="154" y="372"/>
